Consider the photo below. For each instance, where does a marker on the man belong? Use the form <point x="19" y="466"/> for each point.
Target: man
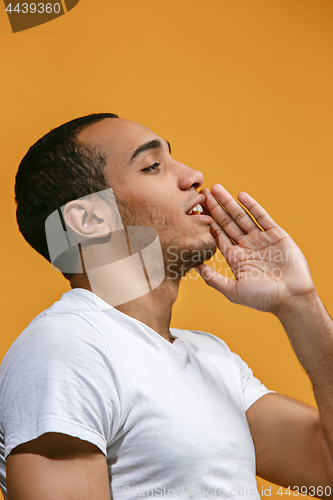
<point x="102" y="399"/>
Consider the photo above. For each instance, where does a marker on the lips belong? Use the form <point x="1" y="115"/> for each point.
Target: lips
<point x="196" y="208"/>
<point x="199" y="212"/>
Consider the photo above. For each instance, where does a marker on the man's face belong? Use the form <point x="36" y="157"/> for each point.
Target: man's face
<point x="152" y="189"/>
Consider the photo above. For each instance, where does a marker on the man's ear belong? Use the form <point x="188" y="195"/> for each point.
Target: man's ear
<point x="87" y="218"/>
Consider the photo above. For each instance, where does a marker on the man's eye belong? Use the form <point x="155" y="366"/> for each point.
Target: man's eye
<point x="152" y="168"/>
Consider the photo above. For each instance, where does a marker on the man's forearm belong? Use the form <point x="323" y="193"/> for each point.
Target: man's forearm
<point x="310" y="330"/>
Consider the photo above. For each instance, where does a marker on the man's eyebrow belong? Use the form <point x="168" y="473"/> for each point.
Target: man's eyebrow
<point x="154" y="144"/>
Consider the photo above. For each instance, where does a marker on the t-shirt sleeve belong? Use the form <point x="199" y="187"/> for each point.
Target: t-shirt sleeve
<point x="58" y="377"/>
<point x="253" y="389"/>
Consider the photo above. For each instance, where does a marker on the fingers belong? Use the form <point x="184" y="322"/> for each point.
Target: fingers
<point x="224" y="220"/>
<point x="261" y="216"/>
<point x="222" y="240"/>
<point x="237" y="221"/>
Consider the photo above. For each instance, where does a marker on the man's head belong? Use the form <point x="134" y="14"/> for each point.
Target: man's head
<point x="96" y="152"/>
<point x="55" y="170"/>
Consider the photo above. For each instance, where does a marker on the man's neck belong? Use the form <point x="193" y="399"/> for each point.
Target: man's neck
<point x="154" y="309"/>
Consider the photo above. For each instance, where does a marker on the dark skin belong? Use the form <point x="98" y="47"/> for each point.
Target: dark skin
<point x="293" y="442"/>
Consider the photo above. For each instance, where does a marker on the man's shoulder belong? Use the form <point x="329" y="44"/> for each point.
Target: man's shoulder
<point x="68" y="323"/>
<point x="75" y="306"/>
<point x="61" y="316"/>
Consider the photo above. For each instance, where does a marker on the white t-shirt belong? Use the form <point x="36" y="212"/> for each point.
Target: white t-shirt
<point x="170" y="418"/>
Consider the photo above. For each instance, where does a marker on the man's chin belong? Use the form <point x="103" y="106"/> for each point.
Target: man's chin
<point x="179" y="261"/>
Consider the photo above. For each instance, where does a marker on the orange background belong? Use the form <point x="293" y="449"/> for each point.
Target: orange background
<point x="243" y="91"/>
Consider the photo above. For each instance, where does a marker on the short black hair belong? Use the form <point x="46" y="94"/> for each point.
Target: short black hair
<point x="55" y="170"/>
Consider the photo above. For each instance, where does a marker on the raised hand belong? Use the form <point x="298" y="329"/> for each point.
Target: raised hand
<point x="268" y="266"/>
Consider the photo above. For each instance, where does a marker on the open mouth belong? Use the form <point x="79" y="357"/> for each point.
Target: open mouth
<point x="197" y="210"/>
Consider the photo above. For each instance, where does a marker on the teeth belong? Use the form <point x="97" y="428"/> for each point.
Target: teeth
<point x="197" y="209"/>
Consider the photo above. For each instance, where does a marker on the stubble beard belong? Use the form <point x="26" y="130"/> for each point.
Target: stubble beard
<point x="179" y="260"/>
<point x="179" y="255"/>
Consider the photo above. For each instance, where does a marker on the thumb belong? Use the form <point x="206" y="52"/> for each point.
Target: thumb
<point x="216" y="280"/>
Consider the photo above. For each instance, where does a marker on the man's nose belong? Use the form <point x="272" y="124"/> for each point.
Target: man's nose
<point x="189" y="177"/>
